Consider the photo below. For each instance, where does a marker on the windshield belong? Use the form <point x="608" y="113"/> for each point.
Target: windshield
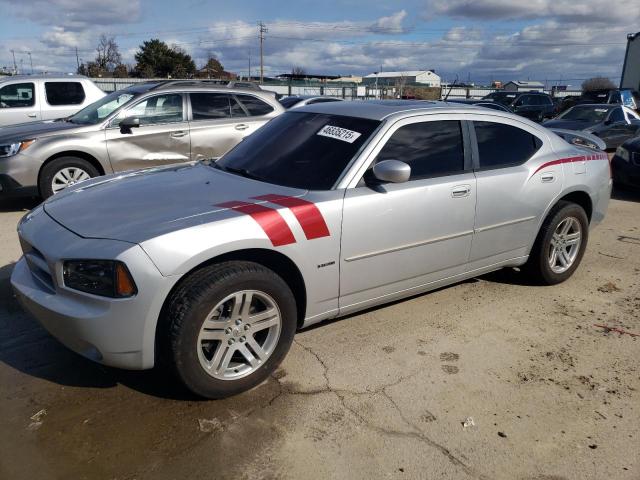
<point x="585" y="114"/>
<point x="289" y="101"/>
<point x="505" y="98"/>
<point x="98" y="111"/>
<point x="300" y="150"/>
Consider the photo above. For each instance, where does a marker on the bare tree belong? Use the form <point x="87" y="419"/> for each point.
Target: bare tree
<point x="297" y="70"/>
<point x="597" y="83"/>
<point x="401" y="81"/>
<point x="108" y="57"/>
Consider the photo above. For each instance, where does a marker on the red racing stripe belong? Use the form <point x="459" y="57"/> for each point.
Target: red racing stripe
<point x="597" y="156"/>
<point x="307" y="214"/>
<point x="269" y="219"/>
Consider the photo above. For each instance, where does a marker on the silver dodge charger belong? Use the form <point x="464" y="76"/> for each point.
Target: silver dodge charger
<point x="208" y="268"/>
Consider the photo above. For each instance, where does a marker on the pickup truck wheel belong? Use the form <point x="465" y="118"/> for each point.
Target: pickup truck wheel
<point x="227" y="327"/>
<point x="64" y="172"/>
<point x="560" y="244"/>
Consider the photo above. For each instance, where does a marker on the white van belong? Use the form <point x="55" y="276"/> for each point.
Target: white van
<point x="29" y="98"/>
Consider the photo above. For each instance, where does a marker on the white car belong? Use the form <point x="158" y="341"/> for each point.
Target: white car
<point x="29" y="98"/>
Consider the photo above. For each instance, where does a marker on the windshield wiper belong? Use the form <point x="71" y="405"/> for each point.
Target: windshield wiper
<point x="243" y="172"/>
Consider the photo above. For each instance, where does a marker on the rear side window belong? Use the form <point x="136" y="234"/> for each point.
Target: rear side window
<point x="210" y="106"/>
<point x="17" y="95"/>
<point x="501" y="145"/>
<point x="431" y="149"/>
<point x="64" y="93"/>
<point x="254" y="105"/>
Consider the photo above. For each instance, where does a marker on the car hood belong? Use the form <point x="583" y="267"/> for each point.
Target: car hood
<point x="568" y="124"/>
<point x="139" y="205"/>
<point x="24" y="131"/>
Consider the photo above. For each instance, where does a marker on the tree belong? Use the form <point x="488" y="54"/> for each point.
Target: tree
<point x="297" y="70"/>
<point x="213" y="69"/>
<point x="108" y="57"/>
<point x="597" y="83"/>
<point x="156" y="59"/>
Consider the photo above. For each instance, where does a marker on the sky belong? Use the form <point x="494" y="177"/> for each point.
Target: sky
<point x="554" y="41"/>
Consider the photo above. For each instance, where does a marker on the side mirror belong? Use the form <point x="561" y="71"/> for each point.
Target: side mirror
<point x="128" y="123"/>
<point x="393" y="171"/>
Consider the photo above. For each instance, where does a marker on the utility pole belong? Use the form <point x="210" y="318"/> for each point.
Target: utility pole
<point x="249" y="77"/>
<point x="77" y="59"/>
<point x="30" y="61"/>
<point x="15" y="66"/>
<point x="262" y="30"/>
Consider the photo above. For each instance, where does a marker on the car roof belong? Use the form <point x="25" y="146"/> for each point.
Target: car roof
<point x="382" y="109"/>
<point x="608" y="106"/>
<point x="13" y="78"/>
<point x="179" y="86"/>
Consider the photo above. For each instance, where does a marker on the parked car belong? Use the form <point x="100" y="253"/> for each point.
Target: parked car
<point x="619" y="96"/>
<point x="298" y="101"/>
<point x="613" y="123"/>
<point x="535" y="106"/>
<point x="30" y="98"/>
<point x="481" y="103"/>
<point x="145" y="125"/>
<point x="626" y="164"/>
<point x="209" y="268"/>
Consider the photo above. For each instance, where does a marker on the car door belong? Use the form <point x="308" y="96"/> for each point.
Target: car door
<point x="615" y="129"/>
<point x="524" y="106"/>
<point x="400" y="237"/>
<point x="19" y="103"/>
<point x="62" y="98"/>
<point x="219" y="121"/>
<point x="161" y="139"/>
<point x="510" y="200"/>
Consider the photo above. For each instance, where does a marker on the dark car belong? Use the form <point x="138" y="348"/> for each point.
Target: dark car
<point x="618" y="96"/>
<point x="535" y="106"/>
<point x="612" y="123"/>
<point x="482" y="103"/>
<point x="625" y="164"/>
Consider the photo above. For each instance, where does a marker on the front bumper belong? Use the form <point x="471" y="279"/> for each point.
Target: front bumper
<point x="115" y="332"/>
<point x="19" y="175"/>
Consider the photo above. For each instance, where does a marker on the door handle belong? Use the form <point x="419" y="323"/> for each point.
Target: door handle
<point x="242" y="126"/>
<point x="32" y="115"/>
<point x="547" y="177"/>
<point x="461" y="191"/>
<point x="178" y="134"/>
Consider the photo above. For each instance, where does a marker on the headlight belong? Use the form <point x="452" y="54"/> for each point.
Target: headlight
<point x="623" y="153"/>
<point x="107" y="278"/>
<point x="11" y="149"/>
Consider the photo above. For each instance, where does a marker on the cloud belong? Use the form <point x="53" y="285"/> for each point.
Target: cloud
<point x="392" y="23"/>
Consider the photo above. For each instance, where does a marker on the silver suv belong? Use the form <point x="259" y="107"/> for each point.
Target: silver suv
<point x="30" y="98"/>
<point x="146" y="125"/>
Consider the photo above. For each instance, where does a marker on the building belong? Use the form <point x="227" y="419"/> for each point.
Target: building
<point x="523" y="86"/>
<point x="631" y="69"/>
<point x="428" y="78"/>
<point x="347" y="79"/>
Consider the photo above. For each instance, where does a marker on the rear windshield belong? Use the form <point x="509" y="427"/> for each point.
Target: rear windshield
<point x="585" y="114"/>
<point x="300" y="150"/>
<point x="289" y="102"/>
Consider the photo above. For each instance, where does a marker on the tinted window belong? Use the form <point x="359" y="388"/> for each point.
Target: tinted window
<point x="323" y="100"/>
<point x="524" y="100"/>
<point x="17" y="95"/>
<point x="64" y="93"/>
<point x="430" y="148"/>
<point x="501" y="145"/>
<point x="254" y="106"/>
<point x="617" y="115"/>
<point x="159" y="109"/>
<point x="209" y="106"/>
<point x="289" y="102"/>
<point x="295" y="150"/>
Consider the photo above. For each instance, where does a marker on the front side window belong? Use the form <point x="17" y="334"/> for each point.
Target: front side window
<point x="300" y="150"/>
<point x="254" y="105"/>
<point x="501" y="145"/>
<point x="64" y="93"/>
<point x="210" y="106"/>
<point x="17" y="95"/>
<point x="159" y="109"/>
<point x="431" y="149"/>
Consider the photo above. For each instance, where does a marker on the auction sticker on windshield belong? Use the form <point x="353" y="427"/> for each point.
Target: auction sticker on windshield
<point x="339" y="133"/>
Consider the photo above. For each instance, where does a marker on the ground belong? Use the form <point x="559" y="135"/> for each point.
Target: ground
<point x="490" y="378"/>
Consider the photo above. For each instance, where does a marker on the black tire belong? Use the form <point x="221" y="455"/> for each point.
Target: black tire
<point x="187" y="308"/>
<point x="53" y="167"/>
<point x="537" y="266"/>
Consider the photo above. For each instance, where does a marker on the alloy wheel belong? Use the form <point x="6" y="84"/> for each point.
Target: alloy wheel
<point x="565" y="245"/>
<point x="66" y="177"/>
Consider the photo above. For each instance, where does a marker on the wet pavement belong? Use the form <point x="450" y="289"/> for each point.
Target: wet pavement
<point x="381" y="394"/>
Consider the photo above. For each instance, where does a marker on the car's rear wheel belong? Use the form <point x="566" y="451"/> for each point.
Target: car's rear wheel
<point x="227" y="327"/>
<point x="560" y="244"/>
<point x="64" y="172"/>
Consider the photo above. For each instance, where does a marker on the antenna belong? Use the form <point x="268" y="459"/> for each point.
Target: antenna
<point x="450" y="88"/>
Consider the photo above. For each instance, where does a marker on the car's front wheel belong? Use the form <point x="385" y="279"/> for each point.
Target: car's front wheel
<point x="64" y="172"/>
<point x="560" y="244"/>
<point x="227" y="327"/>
